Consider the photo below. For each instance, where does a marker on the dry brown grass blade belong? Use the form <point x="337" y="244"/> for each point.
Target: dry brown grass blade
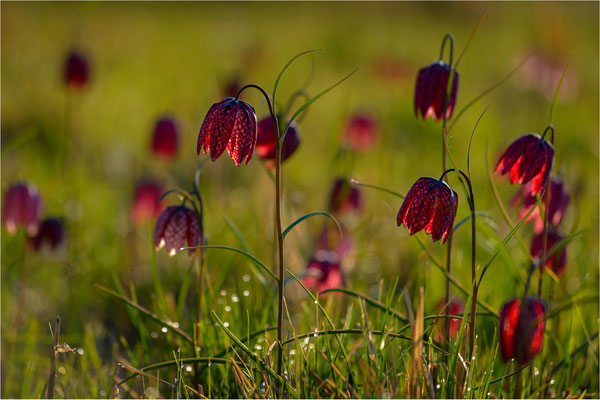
<point x="140" y="372"/>
<point x="339" y="373"/>
<point x="322" y="384"/>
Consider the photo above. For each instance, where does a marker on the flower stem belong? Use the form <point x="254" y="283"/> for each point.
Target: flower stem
<point x="54" y="361"/>
<point x="544" y="237"/>
<point x="281" y="270"/>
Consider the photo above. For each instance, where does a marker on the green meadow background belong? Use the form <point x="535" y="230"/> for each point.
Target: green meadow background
<point x="86" y="150"/>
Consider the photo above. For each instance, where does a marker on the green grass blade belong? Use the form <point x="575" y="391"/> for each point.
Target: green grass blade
<point x="285" y="67"/>
<point x="371" y="301"/>
<point x="309" y="215"/>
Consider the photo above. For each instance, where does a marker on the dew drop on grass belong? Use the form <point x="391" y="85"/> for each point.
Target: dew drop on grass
<point x="489" y="394"/>
<point x="316" y="302"/>
<point x="223" y="292"/>
<point x="552" y="382"/>
<point x="235" y="298"/>
<point x="175" y="325"/>
<point x="227" y="308"/>
<point x="258" y="347"/>
<point x="246" y="293"/>
<point x="164" y="329"/>
<point x="437" y="386"/>
<point x="154" y="335"/>
<point x="292" y="352"/>
<point x="246" y="278"/>
<point x="62" y="370"/>
<point x="188" y="368"/>
<point x="219" y="301"/>
<point x="226" y="324"/>
<point x="80" y="351"/>
<point x="536" y="371"/>
<point x="102" y="393"/>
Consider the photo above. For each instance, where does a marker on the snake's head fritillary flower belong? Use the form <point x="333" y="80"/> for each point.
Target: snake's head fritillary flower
<point x="360" y="131"/>
<point x="22" y="207"/>
<point x="175" y="226"/>
<point x="76" y="70"/>
<point x="430" y="204"/>
<point x="345" y="197"/>
<point x="146" y="202"/>
<point x="529" y="158"/>
<point x="522" y="336"/>
<point x="430" y="91"/>
<point x="558" y="201"/>
<point x="323" y="273"/>
<point x="165" y="138"/>
<point x="51" y="234"/>
<point x="558" y="260"/>
<point x="230" y="124"/>
<point x="454" y="307"/>
<point x="266" y="141"/>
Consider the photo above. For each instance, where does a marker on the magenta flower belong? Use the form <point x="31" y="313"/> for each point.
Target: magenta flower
<point x="558" y="260"/>
<point x="76" y="72"/>
<point x="558" y="201"/>
<point x="146" y="202"/>
<point x="22" y="207"/>
<point x="360" y="131"/>
<point x="230" y="124"/>
<point x="345" y="197"/>
<point x="521" y="337"/>
<point x="431" y="205"/>
<point x="323" y="274"/>
<point x="165" y="138"/>
<point x="529" y="158"/>
<point x="430" y="91"/>
<point x="51" y="234"/>
<point x="267" y="141"/>
<point x="175" y="226"/>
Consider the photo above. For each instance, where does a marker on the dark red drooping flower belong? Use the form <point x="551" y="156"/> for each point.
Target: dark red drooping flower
<point x="360" y="131"/>
<point x="345" y="197"/>
<point x="165" y="138"/>
<point x="323" y="273"/>
<point x="430" y="91"/>
<point x="22" y="207"/>
<point x="76" y="72"/>
<point x="175" y="226"/>
<point x="230" y="124"/>
<point x="558" y="201"/>
<point x="529" y="158"/>
<point x="267" y="141"/>
<point x="558" y="260"/>
<point x="431" y="205"/>
<point x="522" y="336"/>
<point x="51" y="234"/>
<point x="146" y="202"/>
<point x="454" y="307"/>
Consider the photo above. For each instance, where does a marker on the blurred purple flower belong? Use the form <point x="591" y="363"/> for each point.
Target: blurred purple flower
<point x="146" y="202"/>
<point x="266" y="141"/>
<point x="430" y="91"/>
<point x="165" y="138"/>
<point x="323" y="274"/>
<point x="360" y="131"/>
<point x="22" y="207"/>
<point x="521" y="338"/>
<point x="557" y="204"/>
<point x="51" y="234"/>
<point x="76" y="70"/>
<point x="558" y="261"/>
<point x="345" y="197"/>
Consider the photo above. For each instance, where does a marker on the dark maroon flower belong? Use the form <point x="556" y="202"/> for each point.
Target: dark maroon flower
<point x="430" y="91"/>
<point x="558" y="201"/>
<point x="175" y="226"/>
<point x="521" y="337"/>
<point x="345" y="197"/>
<point x="267" y="140"/>
<point x="146" y="202"/>
<point x="229" y="124"/>
<point x="50" y="234"/>
<point x="323" y="273"/>
<point x="454" y="307"/>
<point x="22" y="206"/>
<point x="431" y="205"/>
<point x="529" y="158"/>
<point x="360" y="131"/>
<point x="559" y="259"/>
<point x="165" y="138"/>
<point x="76" y="71"/>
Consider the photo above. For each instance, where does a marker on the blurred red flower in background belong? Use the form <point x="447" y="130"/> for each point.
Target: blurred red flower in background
<point x="521" y="337"/>
<point x="146" y="202"/>
<point x="51" y="234"/>
<point x="22" y="207"/>
<point x="323" y="273"/>
<point x="266" y="141"/>
<point x="360" y="131"/>
<point x="165" y="138"/>
<point x="558" y="261"/>
<point x="76" y="70"/>
<point x="345" y="197"/>
<point x="557" y="204"/>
